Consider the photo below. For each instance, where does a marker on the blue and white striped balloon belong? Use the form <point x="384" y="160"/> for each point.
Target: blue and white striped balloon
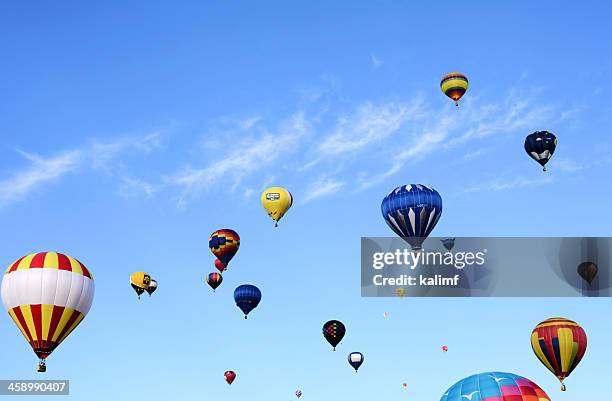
<point x="412" y="211"/>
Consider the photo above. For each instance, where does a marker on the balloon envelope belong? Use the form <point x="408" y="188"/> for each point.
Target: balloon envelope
<point x="152" y="287"/>
<point x="448" y="243"/>
<point x="495" y="386"/>
<point x="247" y="298"/>
<point x="277" y="201"/>
<point x="214" y="280"/>
<point x="47" y="294"/>
<point x="540" y="146"/>
<point x="140" y="282"/>
<point x="355" y="359"/>
<point x="412" y="211"/>
<point x="334" y="332"/>
<point x="559" y="344"/>
<point x="229" y="376"/>
<point x="224" y="244"/>
<point x="454" y="85"/>
<point x="588" y="271"/>
<point x="220" y="266"/>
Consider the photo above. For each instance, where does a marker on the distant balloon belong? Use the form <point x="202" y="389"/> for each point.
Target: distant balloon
<point x="559" y="344"/>
<point x="277" y="201"/>
<point x="355" y="359"/>
<point x="152" y="287"/>
<point x="540" y="146"/>
<point x="247" y="298"/>
<point x="220" y="266"/>
<point x="400" y="292"/>
<point x="140" y="282"/>
<point x="454" y="85"/>
<point x="230" y="376"/>
<point x="214" y="280"/>
<point x="588" y="271"/>
<point x="385" y="314"/>
<point x="298" y="393"/>
<point x="334" y="332"/>
<point x="495" y="386"/>
<point x="448" y="243"/>
<point x="444" y="348"/>
<point x="412" y="211"/>
<point x="405" y="385"/>
<point x="224" y="244"/>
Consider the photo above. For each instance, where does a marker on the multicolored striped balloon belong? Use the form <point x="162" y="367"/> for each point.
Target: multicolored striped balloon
<point x="224" y="244"/>
<point x="47" y="294"/>
<point x="559" y="344"/>
<point x="454" y="86"/>
<point x="214" y="280"/>
<point x="495" y="386"/>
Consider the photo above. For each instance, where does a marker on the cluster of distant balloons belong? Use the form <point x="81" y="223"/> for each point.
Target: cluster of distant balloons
<point x="48" y="294"/>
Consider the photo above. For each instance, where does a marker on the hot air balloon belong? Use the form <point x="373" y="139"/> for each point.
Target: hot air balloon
<point x="412" y="211"/>
<point x="355" y="359"/>
<point x="47" y="294"/>
<point x="224" y="244"/>
<point x="230" y="376"/>
<point x="400" y="292"/>
<point x="385" y="314"/>
<point x="152" y="287"/>
<point x="588" y="271"/>
<point x="298" y="393"/>
<point x="495" y="386"/>
<point x="444" y="348"/>
<point x="559" y="344"/>
<point x="405" y="385"/>
<point x="454" y="86"/>
<point x="214" y="280"/>
<point x="140" y="282"/>
<point x="247" y="298"/>
<point x="276" y="201"/>
<point x="448" y="243"/>
<point x="220" y="266"/>
<point x="334" y="332"/>
<point x="540" y="146"/>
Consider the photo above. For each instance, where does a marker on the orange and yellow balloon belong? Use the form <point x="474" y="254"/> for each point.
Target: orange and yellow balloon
<point x="454" y="85"/>
<point x="559" y="344"/>
<point x="47" y="294"/>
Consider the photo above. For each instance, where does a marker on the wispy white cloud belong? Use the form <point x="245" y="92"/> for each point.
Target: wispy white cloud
<point x="324" y="186"/>
<point x="130" y="187"/>
<point x="39" y="172"/>
<point x="499" y="184"/>
<point x="244" y="159"/>
<point x="103" y="154"/>
<point x="369" y="124"/>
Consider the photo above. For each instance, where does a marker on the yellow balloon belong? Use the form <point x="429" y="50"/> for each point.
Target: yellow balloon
<point x="140" y="279"/>
<point x="400" y="292"/>
<point x="276" y="201"/>
<point x="140" y="282"/>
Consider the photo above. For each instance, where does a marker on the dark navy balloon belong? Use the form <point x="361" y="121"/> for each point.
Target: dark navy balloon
<point x="355" y="360"/>
<point x="334" y="331"/>
<point x="247" y="298"/>
<point x="448" y="243"/>
<point x="540" y="146"/>
<point x="412" y="211"/>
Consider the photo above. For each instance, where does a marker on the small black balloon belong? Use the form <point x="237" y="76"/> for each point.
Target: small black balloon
<point x="588" y="271"/>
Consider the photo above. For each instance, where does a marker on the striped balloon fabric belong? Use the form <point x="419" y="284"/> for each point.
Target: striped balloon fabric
<point x="495" y="386"/>
<point x="454" y="86"/>
<point x="412" y="211"/>
<point x="47" y="294"/>
<point x="559" y="344"/>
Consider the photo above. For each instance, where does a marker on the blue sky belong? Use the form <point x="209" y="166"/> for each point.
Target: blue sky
<point x="131" y="132"/>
